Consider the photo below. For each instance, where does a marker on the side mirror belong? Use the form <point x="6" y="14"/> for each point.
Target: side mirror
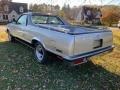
<point x="14" y="22"/>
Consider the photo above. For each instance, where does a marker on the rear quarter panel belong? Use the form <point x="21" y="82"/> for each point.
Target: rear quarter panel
<point x="53" y="41"/>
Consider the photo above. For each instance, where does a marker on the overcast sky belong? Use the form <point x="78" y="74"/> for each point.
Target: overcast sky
<point x="71" y="2"/>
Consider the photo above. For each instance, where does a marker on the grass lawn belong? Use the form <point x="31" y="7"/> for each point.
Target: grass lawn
<point x="20" y="71"/>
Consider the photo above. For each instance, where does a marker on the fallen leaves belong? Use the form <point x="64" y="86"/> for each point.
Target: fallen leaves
<point x="19" y="71"/>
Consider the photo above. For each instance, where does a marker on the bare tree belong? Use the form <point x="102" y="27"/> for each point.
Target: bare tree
<point x="3" y="3"/>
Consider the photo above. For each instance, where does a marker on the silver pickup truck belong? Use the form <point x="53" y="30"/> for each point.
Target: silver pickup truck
<point x="45" y="33"/>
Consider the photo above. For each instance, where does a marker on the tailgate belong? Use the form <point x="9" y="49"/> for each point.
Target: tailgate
<point x="92" y="41"/>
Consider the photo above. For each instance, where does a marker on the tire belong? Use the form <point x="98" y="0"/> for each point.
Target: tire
<point x="10" y="37"/>
<point x="41" y="54"/>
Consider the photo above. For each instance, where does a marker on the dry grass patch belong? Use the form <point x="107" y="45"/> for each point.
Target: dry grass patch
<point x="111" y="61"/>
<point x="3" y="34"/>
<point x="20" y="71"/>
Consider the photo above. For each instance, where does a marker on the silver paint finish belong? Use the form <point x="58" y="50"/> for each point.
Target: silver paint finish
<point x="57" y="37"/>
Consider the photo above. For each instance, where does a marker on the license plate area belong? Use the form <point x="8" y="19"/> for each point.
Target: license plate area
<point x="97" y="43"/>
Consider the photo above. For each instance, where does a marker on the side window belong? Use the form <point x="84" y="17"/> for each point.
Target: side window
<point x="54" y="20"/>
<point x="22" y="20"/>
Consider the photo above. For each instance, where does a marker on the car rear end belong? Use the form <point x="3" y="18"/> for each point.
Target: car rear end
<point x="90" y="43"/>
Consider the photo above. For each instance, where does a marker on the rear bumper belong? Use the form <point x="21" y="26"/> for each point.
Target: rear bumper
<point x="90" y="54"/>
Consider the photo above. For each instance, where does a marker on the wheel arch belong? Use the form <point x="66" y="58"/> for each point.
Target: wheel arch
<point x="36" y="40"/>
<point x="7" y="30"/>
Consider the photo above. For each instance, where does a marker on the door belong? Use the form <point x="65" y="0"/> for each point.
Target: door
<point x="21" y="26"/>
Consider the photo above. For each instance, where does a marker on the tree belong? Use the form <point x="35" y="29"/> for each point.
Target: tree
<point x="67" y="11"/>
<point x="44" y="8"/>
<point x="111" y="15"/>
<point x="35" y="8"/>
<point x="3" y="3"/>
<point x="62" y="13"/>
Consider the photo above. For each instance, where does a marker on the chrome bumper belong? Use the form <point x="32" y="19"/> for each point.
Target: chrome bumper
<point x="90" y="54"/>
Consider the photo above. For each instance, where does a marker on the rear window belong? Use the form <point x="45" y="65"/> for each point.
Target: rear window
<point x="39" y="19"/>
<point x="54" y="20"/>
<point x="44" y="19"/>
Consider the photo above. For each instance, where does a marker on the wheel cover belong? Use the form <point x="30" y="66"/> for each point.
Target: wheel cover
<point x="39" y="53"/>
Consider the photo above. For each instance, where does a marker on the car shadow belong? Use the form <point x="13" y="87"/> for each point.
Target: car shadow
<point x="18" y="62"/>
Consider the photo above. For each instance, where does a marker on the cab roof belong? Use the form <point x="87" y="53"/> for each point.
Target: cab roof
<point x="38" y="13"/>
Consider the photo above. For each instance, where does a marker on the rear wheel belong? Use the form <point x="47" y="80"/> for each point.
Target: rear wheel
<point x="40" y="53"/>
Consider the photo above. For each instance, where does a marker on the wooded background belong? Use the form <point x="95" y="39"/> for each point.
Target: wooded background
<point x="110" y="13"/>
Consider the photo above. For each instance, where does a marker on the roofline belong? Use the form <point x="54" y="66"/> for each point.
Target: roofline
<point x="38" y="13"/>
<point x="19" y="3"/>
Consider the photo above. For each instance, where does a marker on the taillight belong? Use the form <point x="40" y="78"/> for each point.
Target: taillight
<point x="80" y="61"/>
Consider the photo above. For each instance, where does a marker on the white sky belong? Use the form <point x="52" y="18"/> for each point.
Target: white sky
<point x="70" y="2"/>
